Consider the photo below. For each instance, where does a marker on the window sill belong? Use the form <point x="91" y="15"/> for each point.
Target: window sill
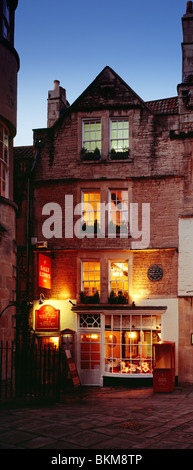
<point x="107" y="161"/>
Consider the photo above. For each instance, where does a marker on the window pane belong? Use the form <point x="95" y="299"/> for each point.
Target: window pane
<point x="128" y="349"/>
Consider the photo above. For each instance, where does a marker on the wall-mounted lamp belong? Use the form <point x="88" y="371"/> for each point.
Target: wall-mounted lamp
<point x="71" y="302"/>
<point x="41" y="299"/>
<point x="133" y="304"/>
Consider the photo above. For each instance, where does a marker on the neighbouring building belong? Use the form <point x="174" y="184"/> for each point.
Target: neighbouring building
<point x="105" y="226"/>
<point x="9" y="66"/>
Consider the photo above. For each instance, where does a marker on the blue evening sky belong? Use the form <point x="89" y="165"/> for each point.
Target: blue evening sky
<point x="72" y="41"/>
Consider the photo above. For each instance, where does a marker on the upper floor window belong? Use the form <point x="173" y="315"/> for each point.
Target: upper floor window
<point x="4" y="160"/>
<point x="119" y="282"/>
<point x="91" y="139"/>
<point x="118" y="211"/>
<point x="90" y="281"/>
<point x="91" y="210"/>
<point x="119" y="138"/>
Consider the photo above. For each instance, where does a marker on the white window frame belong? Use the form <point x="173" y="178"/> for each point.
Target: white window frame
<point x="118" y="261"/>
<point x="89" y="212"/>
<point x="111" y="360"/>
<point x="118" y="138"/>
<point x="121" y="211"/>
<point x="92" y="280"/>
<point x="87" y="143"/>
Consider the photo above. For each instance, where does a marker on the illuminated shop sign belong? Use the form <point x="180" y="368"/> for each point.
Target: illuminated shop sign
<point x="44" y="271"/>
<point x="47" y="318"/>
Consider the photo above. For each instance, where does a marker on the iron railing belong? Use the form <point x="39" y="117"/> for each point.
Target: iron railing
<point x="30" y="371"/>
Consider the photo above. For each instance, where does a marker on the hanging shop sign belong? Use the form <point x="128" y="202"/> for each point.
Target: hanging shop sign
<point x="155" y="273"/>
<point x="44" y="271"/>
<point x="47" y="318"/>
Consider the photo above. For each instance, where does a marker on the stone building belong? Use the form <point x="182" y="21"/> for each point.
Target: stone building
<point x="109" y="192"/>
<point x="9" y="66"/>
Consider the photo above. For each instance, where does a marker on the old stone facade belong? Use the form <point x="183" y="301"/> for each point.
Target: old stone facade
<point x="9" y="65"/>
<point x="121" y="272"/>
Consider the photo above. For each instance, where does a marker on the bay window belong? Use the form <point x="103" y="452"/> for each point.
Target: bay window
<point x="128" y="343"/>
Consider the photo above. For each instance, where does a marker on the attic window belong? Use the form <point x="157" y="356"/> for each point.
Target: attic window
<point x="91" y="135"/>
<point x="119" y="138"/>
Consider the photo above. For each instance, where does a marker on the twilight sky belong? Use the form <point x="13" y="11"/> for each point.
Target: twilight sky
<point x="72" y="41"/>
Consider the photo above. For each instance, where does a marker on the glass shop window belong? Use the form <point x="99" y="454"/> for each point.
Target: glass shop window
<point x="128" y="343"/>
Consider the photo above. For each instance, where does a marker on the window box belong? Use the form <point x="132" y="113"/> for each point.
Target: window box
<point x="91" y="229"/>
<point x="86" y="155"/>
<point x="120" y="298"/>
<point x="89" y="299"/>
<point x="116" y="155"/>
<point x="118" y="229"/>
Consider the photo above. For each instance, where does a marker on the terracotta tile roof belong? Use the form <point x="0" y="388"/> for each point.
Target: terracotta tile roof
<point x="23" y="152"/>
<point x="165" y="106"/>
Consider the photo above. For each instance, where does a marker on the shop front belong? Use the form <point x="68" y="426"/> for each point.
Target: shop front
<point x="117" y="344"/>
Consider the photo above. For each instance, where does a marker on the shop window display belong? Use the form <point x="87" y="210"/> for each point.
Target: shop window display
<point x="128" y="343"/>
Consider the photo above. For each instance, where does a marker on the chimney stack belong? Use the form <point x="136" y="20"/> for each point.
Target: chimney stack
<point x="57" y="103"/>
<point x="188" y="7"/>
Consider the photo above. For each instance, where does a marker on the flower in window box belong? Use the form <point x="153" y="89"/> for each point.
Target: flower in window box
<point x="87" y="155"/>
<point x="119" y="155"/>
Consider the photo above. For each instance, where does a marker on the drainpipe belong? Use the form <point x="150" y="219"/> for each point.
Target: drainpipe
<point x="38" y="146"/>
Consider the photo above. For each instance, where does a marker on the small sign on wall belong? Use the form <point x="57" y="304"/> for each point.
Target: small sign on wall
<point x="47" y="318"/>
<point x="44" y="271"/>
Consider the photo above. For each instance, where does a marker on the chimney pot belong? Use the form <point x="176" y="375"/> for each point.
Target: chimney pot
<point x="57" y="83"/>
<point x="189" y="7"/>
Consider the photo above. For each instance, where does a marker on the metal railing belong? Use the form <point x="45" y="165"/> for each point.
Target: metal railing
<point x="30" y="371"/>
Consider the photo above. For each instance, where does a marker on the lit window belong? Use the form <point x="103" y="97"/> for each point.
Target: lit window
<point x="119" y="135"/>
<point x="91" y="136"/>
<point x="91" y="210"/>
<point x="119" y="284"/>
<point x="4" y="160"/>
<point x="128" y="343"/>
<point x="118" y="210"/>
<point x="91" y="278"/>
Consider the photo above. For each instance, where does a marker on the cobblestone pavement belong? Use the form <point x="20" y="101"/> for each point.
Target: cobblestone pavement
<point x="108" y="418"/>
